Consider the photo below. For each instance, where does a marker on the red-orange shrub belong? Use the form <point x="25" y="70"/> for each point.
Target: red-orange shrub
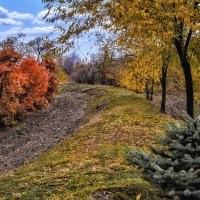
<point x="51" y="67"/>
<point x="9" y="57"/>
<point x="10" y="87"/>
<point x="24" y="85"/>
<point x="36" y="86"/>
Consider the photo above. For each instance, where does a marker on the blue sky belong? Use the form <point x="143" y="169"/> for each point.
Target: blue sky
<point x="22" y="16"/>
<point x="25" y="16"/>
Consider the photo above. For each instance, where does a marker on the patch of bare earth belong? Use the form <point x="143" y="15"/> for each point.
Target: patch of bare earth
<point x="41" y="131"/>
<point x="176" y="103"/>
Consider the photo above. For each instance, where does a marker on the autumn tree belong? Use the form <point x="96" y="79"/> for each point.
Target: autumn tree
<point x="166" y="58"/>
<point x="69" y="62"/>
<point x="174" y="22"/>
<point x="103" y="61"/>
<point x="168" y="24"/>
<point x="142" y="73"/>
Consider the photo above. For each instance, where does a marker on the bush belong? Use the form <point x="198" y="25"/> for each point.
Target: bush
<point x="24" y="86"/>
<point x="91" y="74"/>
<point x="10" y="89"/>
<point x="61" y="76"/>
<point x="36" y="85"/>
<point x="84" y="74"/>
<point x="51" y="67"/>
<point x="9" y="57"/>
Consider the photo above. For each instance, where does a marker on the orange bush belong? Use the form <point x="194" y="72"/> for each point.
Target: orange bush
<point x="51" y="67"/>
<point x="11" y="90"/>
<point x="9" y="57"/>
<point x="36" y="87"/>
<point x="24" y="85"/>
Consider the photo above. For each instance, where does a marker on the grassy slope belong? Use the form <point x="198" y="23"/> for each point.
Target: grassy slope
<point x="92" y="160"/>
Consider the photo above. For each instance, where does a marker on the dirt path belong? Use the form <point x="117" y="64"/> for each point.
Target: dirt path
<point x="19" y="145"/>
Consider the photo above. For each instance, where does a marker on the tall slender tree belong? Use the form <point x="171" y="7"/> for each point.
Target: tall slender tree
<point x="166" y="56"/>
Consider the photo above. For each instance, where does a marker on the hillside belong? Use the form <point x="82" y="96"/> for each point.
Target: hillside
<point x="90" y="164"/>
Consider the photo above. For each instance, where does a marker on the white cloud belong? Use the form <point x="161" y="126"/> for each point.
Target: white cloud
<point x="8" y="21"/>
<point x="52" y="13"/>
<point x="13" y="18"/>
<point x="27" y="31"/>
<point x="37" y="30"/>
<point x="3" y="13"/>
<point x="42" y="14"/>
<point x="37" y="21"/>
<point x="21" y="16"/>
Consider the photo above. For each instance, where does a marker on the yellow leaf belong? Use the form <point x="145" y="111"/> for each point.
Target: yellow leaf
<point x="138" y="197"/>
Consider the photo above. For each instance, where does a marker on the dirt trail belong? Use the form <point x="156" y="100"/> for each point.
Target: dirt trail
<point x="22" y="144"/>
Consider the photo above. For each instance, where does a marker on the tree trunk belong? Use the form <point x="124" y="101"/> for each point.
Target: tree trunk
<point x="147" y="91"/>
<point x="188" y="77"/>
<point x="152" y="91"/>
<point x="189" y="87"/>
<point x="164" y="88"/>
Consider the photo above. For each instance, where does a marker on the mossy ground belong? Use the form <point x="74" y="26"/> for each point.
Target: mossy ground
<point x="92" y="160"/>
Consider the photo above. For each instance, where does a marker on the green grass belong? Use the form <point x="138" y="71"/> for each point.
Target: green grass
<point x="92" y="161"/>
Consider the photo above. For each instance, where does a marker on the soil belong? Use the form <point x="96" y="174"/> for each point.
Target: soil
<point x="42" y="130"/>
<point x="176" y="104"/>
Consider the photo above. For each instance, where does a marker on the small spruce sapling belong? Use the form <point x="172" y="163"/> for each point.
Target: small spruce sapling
<point x="175" y="164"/>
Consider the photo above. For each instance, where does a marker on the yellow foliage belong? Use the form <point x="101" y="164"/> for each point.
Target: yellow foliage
<point x="144" y="70"/>
<point x="196" y="80"/>
<point x="61" y="76"/>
